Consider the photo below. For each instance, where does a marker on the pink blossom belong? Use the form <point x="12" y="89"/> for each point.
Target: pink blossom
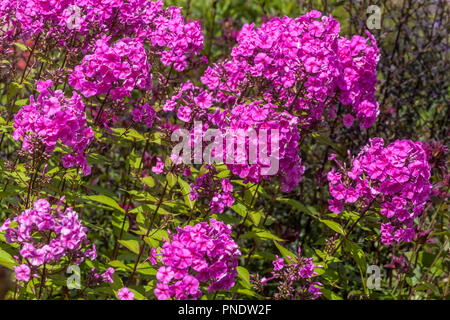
<point x="203" y="253"/>
<point x="22" y="272"/>
<point x="125" y="294"/>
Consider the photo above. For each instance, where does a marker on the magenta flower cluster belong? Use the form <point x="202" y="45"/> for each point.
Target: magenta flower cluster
<point x="47" y="235"/>
<point x="357" y="79"/>
<point x="217" y="191"/>
<point x="260" y="117"/>
<point x="190" y="103"/>
<point x="114" y="69"/>
<point x="95" y="277"/>
<point x="203" y="253"/>
<point x="395" y="177"/>
<point x="69" y="22"/>
<point x="295" y="278"/>
<point x="263" y="118"/>
<point x="298" y="69"/>
<point x="125" y="294"/>
<point x="144" y="113"/>
<point x="125" y="44"/>
<point x="52" y="118"/>
<point x="175" y="41"/>
<point x="284" y="78"/>
<point x="303" y="65"/>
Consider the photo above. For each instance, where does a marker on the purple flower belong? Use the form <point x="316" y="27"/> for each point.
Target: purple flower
<point x="22" y="272"/>
<point x="164" y="274"/>
<point x="52" y="118"/>
<point x="396" y="176"/>
<point x="108" y="275"/>
<point x="159" y="167"/>
<point x="335" y="206"/>
<point x="295" y="278"/>
<point x="125" y="294"/>
<point x="184" y="113"/>
<point x="278" y="264"/>
<point x="348" y="120"/>
<point x="203" y="253"/>
<point x="66" y="236"/>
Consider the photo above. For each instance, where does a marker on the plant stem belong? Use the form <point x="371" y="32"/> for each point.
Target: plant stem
<point x="142" y="245"/>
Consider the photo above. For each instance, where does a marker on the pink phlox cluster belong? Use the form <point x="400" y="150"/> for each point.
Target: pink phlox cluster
<point x="30" y="18"/>
<point x="144" y="113"/>
<point x="190" y="103"/>
<point x="296" y="278"/>
<point x="396" y="177"/>
<point x="218" y="191"/>
<point x="244" y="138"/>
<point x="52" y="118"/>
<point x="278" y="157"/>
<point x="175" y="41"/>
<point x="304" y="65"/>
<point x="95" y="277"/>
<point x="125" y="294"/>
<point x="358" y="77"/>
<point x="113" y="69"/>
<point x="64" y="21"/>
<point x="195" y="255"/>
<point x="46" y="235"/>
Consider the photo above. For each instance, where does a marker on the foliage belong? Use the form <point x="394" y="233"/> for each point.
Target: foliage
<point x="92" y="192"/>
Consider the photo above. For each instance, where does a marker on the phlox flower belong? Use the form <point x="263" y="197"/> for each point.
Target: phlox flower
<point x="125" y="294"/>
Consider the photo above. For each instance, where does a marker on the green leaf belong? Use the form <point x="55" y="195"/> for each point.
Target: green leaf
<point x="428" y="286"/>
<point x="358" y="255"/>
<point x="6" y="259"/>
<point x="244" y="275"/>
<point x="285" y="252"/>
<point x="299" y="206"/>
<point x="117" y="284"/>
<point x="186" y="190"/>
<point x="250" y="196"/>
<point x="129" y="134"/>
<point x="137" y="295"/>
<point x="171" y="179"/>
<point x="360" y="259"/>
<point x="261" y="234"/>
<point x="334" y="226"/>
<point x="147" y="269"/>
<point x="247" y="292"/>
<point x="330" y="295"/>
<point x="149" y="181"/>
<point x="13" y="88"/>
<point x="133" y="133"/>
<point x="107" y="201"/>
<point x="22" y="46"/>
<point x="117" y="222"/>
<point x="240" y="209"/>
<point x="131" y="245"/>
<point x="119" y="264"/>
<point x="21" y="102"/>
<point x="223" y="174"/>
<point x="255" y="216"/>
